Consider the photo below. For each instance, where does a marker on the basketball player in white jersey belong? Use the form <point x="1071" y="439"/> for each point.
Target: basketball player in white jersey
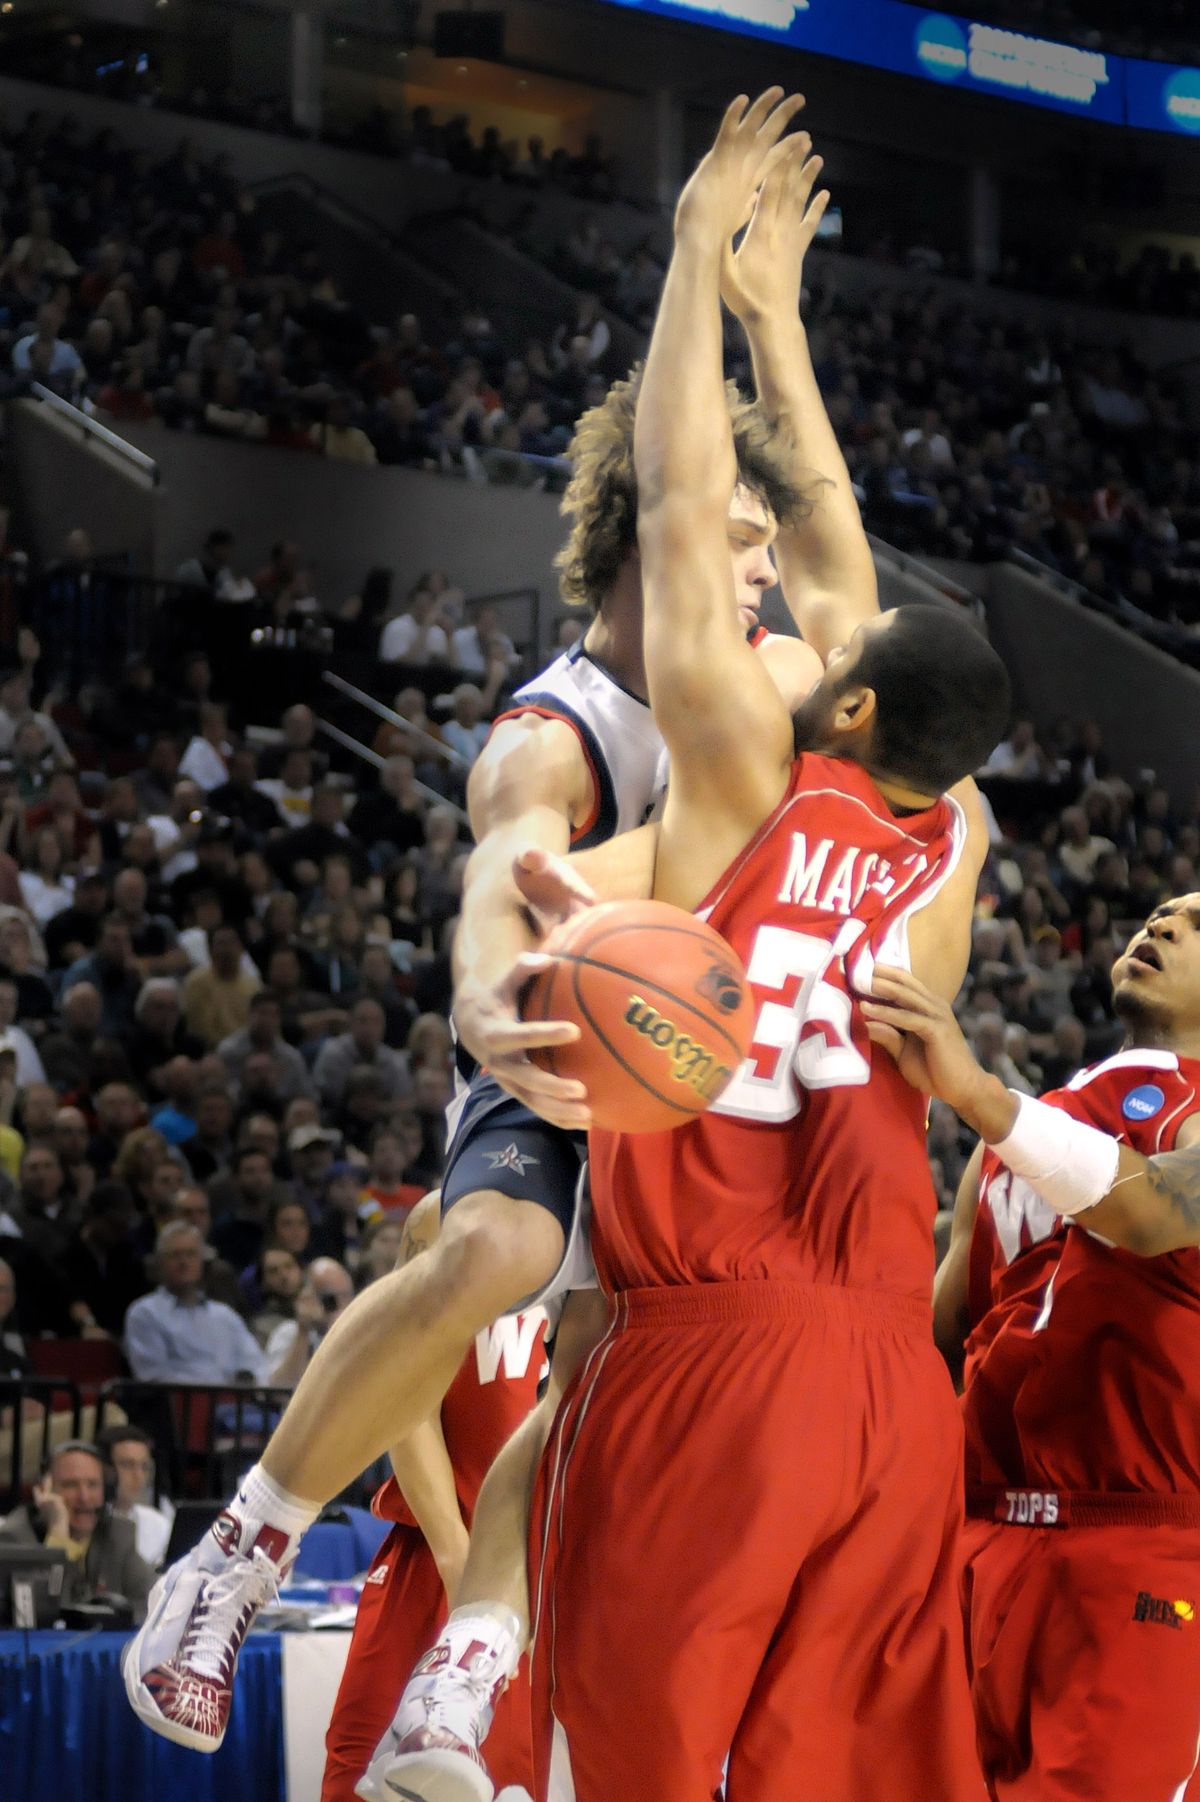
<point x="575" y="762"/>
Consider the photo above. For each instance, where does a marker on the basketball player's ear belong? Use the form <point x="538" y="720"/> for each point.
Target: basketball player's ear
<point x="855" y="710"/>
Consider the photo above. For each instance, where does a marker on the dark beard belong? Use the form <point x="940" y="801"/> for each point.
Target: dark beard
<point x="1143" y="1022"/>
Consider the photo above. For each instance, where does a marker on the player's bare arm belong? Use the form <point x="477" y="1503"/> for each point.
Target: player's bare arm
<point x="825" y="565"/>
<point x="726" y="726"/>
<point x="950" y="1319"/>
<point x="1147" y="1205"/>
<point x="528" y="789"/>
<point x="421" y="1462"/>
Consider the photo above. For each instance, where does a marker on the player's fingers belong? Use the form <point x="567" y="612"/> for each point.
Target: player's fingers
<point x="774" y="119"/>
<point x="902" y="1018"/>
<point x="734" y="113"/>
<point x="571" y="1116"/>
<point x="802" y="179"/>
<point x="515" y="1066"/>
<point x="890" y="981"/>
<point x="760" y="110"/>
<point x="814" y="216"/>
<point x="529" y="1035"/>
<point x="886" y="1036"/>
<point x="776" y="172"/>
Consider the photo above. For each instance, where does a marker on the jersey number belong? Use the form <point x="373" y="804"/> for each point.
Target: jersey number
<point x="801" y="1043"/>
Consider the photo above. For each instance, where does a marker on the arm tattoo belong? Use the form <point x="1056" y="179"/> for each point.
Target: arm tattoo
<point x="1174" y="1176"/>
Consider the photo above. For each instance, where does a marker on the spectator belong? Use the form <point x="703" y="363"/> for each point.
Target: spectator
<point x="177" y="1335"/>
<point x="326" y="1294"/>
<point x="67" y="1512"/>
<point x="271" y="1287"/>
<point x="298" y="855"/>
<point x="43" y="353"/>
<point x="395" y="1149"/>
<point x="118" y="1111"/>
<point x="263" y="1033"/>
<point x="389" y="819"/>
<point x="206" y="759"/>
<point x="216" y="1000"/>
<point x="101" y="1272"/>
<point x="415" y="635"/>
<point x="240" y="1203"/>
<point x="158" y="1034"/>
<point x="46" y="1222"/>
<point x="113" y="973"/>
<point x="310" y="1151"/>
<point x="130" y="1455"/>
<point x="337" y="435"/>
<point x="380" y="1249"/>
<point x="467" y="731"/>
<point x="220" y="1280"/>
<point x="241" y="799"/>
<point x="360" y="1048"/>
<point x="72" y="1141"/>
<point x="14" y="1038"/>
<point x="474" y="647"/>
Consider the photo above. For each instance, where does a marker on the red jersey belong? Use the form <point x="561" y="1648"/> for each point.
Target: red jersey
<point x="812" y="1165"/>
<point x="1081" y="1359"/>
<point x="496" y="1387"/>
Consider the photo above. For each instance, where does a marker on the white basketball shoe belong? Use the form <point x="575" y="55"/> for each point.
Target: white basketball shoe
<point x="179" y="1669"/>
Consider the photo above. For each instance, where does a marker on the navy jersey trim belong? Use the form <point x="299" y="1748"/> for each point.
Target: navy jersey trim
<point x="604" y="822"/>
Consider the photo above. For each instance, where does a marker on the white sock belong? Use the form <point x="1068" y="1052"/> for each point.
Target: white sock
<point x="488" y="1620"/>
<point x="259" y="1498"/>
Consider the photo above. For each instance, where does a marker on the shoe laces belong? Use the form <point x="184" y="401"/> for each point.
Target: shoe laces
<point x="461" y="1700"/>
<point x="222" y="1614"/>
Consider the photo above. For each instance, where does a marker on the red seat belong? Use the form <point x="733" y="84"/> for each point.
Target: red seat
<point x="86" y="1362"/>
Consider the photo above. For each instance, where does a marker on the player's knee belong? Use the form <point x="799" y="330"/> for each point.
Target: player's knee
<point x="494" y="1251"/>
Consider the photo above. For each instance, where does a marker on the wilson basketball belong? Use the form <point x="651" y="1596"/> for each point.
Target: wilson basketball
<point x="663" y="1006"/>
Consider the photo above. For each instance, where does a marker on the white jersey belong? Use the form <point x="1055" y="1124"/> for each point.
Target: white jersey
<point x="616" y="731"/>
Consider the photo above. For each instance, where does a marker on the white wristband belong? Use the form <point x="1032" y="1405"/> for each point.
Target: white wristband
<point x="1071" y="1165"/>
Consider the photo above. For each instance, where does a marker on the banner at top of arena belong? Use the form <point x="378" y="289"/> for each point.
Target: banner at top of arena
<point x="961" y="53"/>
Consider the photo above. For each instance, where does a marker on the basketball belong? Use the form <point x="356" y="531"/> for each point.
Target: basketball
<point x="663" y="1006"/>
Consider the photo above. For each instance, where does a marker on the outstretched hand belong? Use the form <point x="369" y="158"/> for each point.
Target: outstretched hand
<point x="489" y="1020"/>
<point x="920" y="1031"/>
<point x="762" y="277"/>
<point x="718" y="199"/>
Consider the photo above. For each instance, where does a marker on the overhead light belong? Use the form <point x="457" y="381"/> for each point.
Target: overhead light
<point x="462" y="69"/>
<point x="7" y="6"/>
<point x="402" y="56"/>
<point x="339" y="43"/>
<point x="522" y="83"/>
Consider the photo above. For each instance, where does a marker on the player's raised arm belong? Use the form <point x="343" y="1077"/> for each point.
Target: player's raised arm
<point x="721" y="715"/>
<point x="1147" y="1205"/>
<point x="825" y="565"/>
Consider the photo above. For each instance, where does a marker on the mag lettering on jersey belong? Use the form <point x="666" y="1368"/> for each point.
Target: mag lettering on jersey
<point x="833" y="878"/>
<point x="692" y="1062"/>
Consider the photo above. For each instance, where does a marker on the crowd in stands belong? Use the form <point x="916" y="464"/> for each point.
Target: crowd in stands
<point x="151" y="291"/>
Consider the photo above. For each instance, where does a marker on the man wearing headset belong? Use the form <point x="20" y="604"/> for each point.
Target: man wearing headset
<point x="129" y="1459"/>
<point x="69" y="1510"/>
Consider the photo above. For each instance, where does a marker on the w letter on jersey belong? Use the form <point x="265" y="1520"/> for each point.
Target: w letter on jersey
<point x="509" y="1342"/>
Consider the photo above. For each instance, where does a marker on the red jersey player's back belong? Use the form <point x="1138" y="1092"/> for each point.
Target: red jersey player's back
<point x="496" y="1387"/>
<point x="798" y="1172"/>
<point x="1076" y="1373"/>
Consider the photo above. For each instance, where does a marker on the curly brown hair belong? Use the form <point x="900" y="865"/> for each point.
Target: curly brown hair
<point x="601" y="497"/>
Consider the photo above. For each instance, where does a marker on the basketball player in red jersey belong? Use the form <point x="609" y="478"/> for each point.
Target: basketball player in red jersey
<point x="1082" y="1559"/>
<point x="575" y="762"/>
<point x="404" y="1601"/>
<point x="776" y="1595"/>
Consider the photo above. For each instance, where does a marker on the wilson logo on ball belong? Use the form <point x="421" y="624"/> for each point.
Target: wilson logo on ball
<point x="691" y="1062"/>
<point x="722" y="987"/>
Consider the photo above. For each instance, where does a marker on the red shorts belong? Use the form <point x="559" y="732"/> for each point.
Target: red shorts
<point x="745" y="1548"/>
<point x="401" y="1613"/>
<point x="1086" y="1676"/>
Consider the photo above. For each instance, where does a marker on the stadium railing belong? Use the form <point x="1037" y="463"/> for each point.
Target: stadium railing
<point x="36" y="1414"/>
<point x="205" y="1432"/>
